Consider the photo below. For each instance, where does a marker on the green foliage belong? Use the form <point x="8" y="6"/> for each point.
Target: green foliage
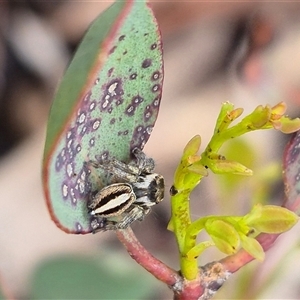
<point x="106" y="105"/>
<point x="270" y="219"/>
<point x="1" y="295"/>
<point x="79" y="277"/>
<point x="78" y="72"/>
<point x="228" y="233"/>
<point x="263" y="117"/>
<point x="223" y="234"/>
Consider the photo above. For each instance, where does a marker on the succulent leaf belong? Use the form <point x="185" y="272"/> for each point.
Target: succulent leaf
<point x="106" y="105"/>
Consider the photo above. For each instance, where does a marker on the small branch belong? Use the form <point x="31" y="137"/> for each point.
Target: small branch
<point x="192" y="290"/>
<point x="213" y="276"/>
<point x="157" y="268"/>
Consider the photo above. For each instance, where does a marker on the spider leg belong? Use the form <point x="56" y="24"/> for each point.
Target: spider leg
<point x="136" y="213"/>
<point x="118" y="169"/>
<point x="126" y="172"/>
<point x="144" y="163"/>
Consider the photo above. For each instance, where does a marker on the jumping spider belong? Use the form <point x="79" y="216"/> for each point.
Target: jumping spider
<point x="119" y="204"/>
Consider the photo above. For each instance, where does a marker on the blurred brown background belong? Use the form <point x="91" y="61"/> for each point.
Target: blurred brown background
<point x="245" y="53"/>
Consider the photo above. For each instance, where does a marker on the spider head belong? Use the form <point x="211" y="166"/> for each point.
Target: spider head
<point x="149" y="189"/>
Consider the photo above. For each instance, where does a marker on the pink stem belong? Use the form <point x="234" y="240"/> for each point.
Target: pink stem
<point x="157" y="268"/>
<point x="233" y="263"/>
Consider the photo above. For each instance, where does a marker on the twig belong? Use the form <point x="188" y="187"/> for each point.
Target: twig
<point x="157" y="268"/>
<point x="233" y="263"/>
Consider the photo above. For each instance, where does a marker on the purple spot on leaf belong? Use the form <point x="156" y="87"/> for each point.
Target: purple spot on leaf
<point x="78" y="227"/>
<point x="112" y="50"/>
<point x="149" y="129"/>
<point x="81" y="181"/>
<point x="133" y="76"/>
<point x="58" y="163"/>
<point x="60" y="160"/>
<point x="125" y="132"/>
<point x="137" y="100"/>
<point x="155" y="102"/>
<point x="110" y="72"/>
<point x="92" y="142"/>
<point x="83" y="130"/>
<point x="294" y="151"/>
<point x="155" y="75"/>
<point x="119" y="101"/>
<point x="130" y="110"/>
<point x="121" y="37"/>
<point x="153" y="46"/>
<point x="147" y="113"/>
<point x="112" y="91"/>
<point x="65" y="190"/>
<point x="92" y="106"/>
<point x="95" y="124"/>
<point x="70" y="170"/>
<point x="155" y="88"/>
<point x="87" y="97"/>
<point x="71" y="133"/>
<point x="103" y="156"/>
<point x="146" y="63"/>
<point x="140" y="137"/>
<point x="73" y="196"/>
<point x="78" y="148"/>
<point x="81" y="118"/>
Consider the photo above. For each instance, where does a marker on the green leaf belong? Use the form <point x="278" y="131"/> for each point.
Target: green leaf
<point x="253" y="247"/>
<point x="192" y="147"/>
<point x="286" y="125"/>
<point x="198" y="249"/>
<point x="78" y="72"/>
<point x="259" y="117"/>
<point x="106" y="105"/>
<point x="224" y="235"/>
<point x="222" y="121"/>
<point x="198" y="168"/>
<point x="222" y="166"/>
<point x="79" y="277"/>
<point x="271" y="219"/>
<point x="190" y="170"/>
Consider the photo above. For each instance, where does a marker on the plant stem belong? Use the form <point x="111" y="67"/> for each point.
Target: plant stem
<point x="157" y="268"/>
<point x="181" y="218"/>
<point x="189" y="267"/>
<point x="192" y="290"/>
<point x="233" y="263"/>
